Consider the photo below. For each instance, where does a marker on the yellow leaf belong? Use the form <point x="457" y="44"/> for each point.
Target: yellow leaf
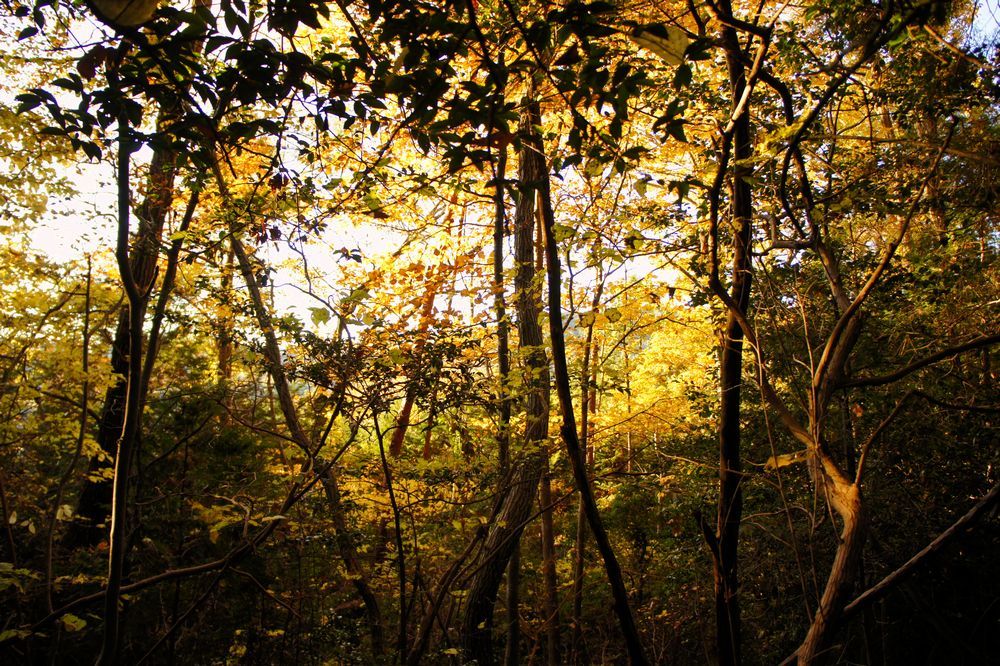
<point x="665" y="41"/>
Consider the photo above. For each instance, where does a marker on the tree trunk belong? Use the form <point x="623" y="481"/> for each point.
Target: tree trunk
<point x="845" y="498"/>
<point x="511" y="651"/>
<point x="275" y="369"/>
<point x="551" y="601"/>
<point x="403" y="420"/>
<point x="137" y="292"/>
<point x="94" y="504"/>
<point x="588" y="408"/>
<point x="626" y="622"/>
<point x="730" y="508"/>
<point x="522" y="482"/>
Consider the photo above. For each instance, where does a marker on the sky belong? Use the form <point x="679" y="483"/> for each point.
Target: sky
<point x="87" y="223"/>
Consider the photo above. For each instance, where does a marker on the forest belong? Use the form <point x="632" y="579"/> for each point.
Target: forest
<point x="500" y="332"/>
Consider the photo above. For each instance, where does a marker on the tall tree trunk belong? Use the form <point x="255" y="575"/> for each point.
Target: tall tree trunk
<point x="137" y="292"/>
<point x="500" y="306"/>
<point x="521" y="483"/>
<point x="730" y="508"/>
<point x="564" y="390"/>
<point x="511" y="652"/>
<point x="317" y="464"/>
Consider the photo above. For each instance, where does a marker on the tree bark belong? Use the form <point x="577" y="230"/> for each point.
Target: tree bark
<point x="730" y="506"/>
<point x="521" y="484"/>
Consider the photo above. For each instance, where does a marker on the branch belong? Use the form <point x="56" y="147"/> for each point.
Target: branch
<point x="883" y="587"/>
<point x="840" y="341"/>
<point x="880" y="380"/>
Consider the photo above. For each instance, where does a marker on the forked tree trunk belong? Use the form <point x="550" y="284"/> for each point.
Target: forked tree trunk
<point x="94" y="504"/>
<point x="521" y="484"/>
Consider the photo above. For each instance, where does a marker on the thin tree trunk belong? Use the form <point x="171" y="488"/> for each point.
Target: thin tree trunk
<point x="95" y="497"/>
<point x="426" y="317"/>
<point x="845" y="498"/>
<point x="588" y="407"/>
<point x="626" y="622"/>
<point x="272" y="353"/>
<point x="511" y="648"/>
<point x="730" y="507"/>
<point x="551" y="601"/>
<point x="137" y="291"/>
<point x="500" y="306"/>
<point x="521" y="483"/>
<point x="401" y="642"/>
<point x="403" y="420"/>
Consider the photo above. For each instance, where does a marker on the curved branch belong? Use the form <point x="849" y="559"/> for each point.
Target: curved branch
<point x="880" y="380"/>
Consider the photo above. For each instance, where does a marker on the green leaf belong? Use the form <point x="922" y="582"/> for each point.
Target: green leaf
<point x="357" y="295"/>
<point x="10" y="634"/>
<point x="562" y="231"/>
<point x="319" y="316"/>
<point x="72" y="623"/>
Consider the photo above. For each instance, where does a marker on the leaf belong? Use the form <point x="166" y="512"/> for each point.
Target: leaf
<point x="665" y="41"/>
<point x="72" y="623"/>
<point x="357" y="295"/>
<point x="613" y="315"/>
<point x="588" y="319"/>
<point x="562" y="231"/>
<point x="9" y="634"/>
<point x="319" y="316"/>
